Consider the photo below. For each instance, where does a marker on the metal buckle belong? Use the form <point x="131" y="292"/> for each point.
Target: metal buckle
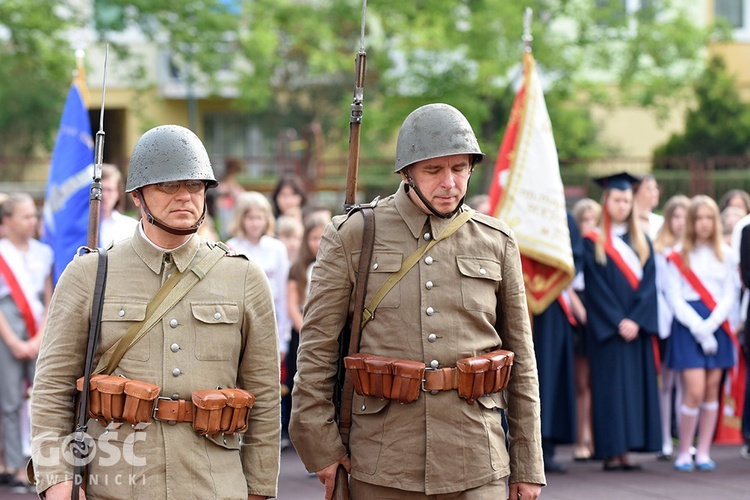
<point x="156" y="408"/>
<point x="427" y="369"/>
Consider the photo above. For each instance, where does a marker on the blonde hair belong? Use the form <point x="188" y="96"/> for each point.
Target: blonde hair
<point x="584" y="205"/>
<point x="688" y="239"/>
<point x="288" y="225"/>
<point x="251" y="200"/>
<point x="665" y="238"/>
<point x="638" y="241"/>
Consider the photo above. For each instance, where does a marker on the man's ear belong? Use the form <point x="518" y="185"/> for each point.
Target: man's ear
<point x="136" y="201"/>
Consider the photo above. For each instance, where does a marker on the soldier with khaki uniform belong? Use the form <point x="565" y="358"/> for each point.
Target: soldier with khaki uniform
<point x="216" y="343"/>
<point x="463" y="300"/>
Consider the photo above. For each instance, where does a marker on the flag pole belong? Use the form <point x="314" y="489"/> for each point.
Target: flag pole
<point x="95" y="196"/>
<point x="527" y="38"/>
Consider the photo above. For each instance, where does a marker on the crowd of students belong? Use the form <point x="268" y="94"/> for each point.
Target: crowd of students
<point x="642" y="340"/>
<point x="631" y="357"/>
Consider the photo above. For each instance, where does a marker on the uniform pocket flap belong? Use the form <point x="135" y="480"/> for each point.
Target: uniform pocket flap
<point x="477" y="267"/>
<point x="123" y="311"/>
<point x="382" y="262"/>
<point x="216" y="312"/>
<point x="366" y="405"/>
<point x="493" y="401"/>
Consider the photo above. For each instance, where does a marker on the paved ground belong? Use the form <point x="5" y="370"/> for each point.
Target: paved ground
<point x="657" y="480"/>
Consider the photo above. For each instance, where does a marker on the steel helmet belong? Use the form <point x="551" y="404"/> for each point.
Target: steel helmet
<point x="432" y="131"/>
<point x="168" y="153"/>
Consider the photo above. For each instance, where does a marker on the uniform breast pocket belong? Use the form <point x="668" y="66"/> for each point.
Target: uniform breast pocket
<point x="382" y="266"/>
<point x="217" y="330"/>
<point x="480" y="279"/>
<point x="117" y="317"/>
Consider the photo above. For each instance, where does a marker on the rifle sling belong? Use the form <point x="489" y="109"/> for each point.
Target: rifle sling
<point x="170" y="293"/>
<point x="369" y="312"/>
<point x="365" y="257"/>
<point x="82" y="410"/>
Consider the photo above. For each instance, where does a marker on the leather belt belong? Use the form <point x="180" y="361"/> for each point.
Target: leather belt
<point x="440" y="379"/>
<point x="173" y="410"/>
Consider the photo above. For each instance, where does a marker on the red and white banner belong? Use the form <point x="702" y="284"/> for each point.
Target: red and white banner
<point x="527" y="194"/>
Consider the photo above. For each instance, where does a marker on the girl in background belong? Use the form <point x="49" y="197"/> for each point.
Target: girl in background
<point x="298" y="285"/>
<point x="620" y="281"/>
<point x="585" y="212"/>
<point x="252" y="231"/>
<point x="701" y="288"/>
<point x="670" y="233"/>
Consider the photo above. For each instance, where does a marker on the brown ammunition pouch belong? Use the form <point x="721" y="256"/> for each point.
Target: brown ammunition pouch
<point x="221" y="410"/>
<point x="385" y="378"/>
<point x="388" y="378"/>
<point x="484" y="374"/>
<point x="119" y="399"/>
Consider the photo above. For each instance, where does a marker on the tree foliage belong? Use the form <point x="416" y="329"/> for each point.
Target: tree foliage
<point x="294" y="59"/>
<point x="719" y="122"/>
<point x="36" y="62"/>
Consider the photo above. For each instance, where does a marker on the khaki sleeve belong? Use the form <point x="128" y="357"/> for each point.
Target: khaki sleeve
<point x="524" y="415"/>
<point x="60" y="363"/>
<point x="259" y="374"/>
<point x="313" y="429"/>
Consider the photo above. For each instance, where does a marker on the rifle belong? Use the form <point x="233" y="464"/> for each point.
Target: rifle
<point x="345" y="389"/>
<point x="355" y="118"/>
<point x="80" y="446"/>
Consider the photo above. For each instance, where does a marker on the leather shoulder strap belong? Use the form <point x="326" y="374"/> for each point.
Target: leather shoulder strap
<point x="365" y="257"/>
<point x="369" y="312"/>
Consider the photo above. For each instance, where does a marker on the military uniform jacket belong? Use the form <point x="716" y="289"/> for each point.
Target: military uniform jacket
<point x="463" y="298"/>
<point x="222" y="333"/>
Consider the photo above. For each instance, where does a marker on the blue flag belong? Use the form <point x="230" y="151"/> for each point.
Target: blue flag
<point x="66" y="205"/>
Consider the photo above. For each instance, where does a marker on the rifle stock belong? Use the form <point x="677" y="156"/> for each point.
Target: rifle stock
<point x="341" y="486"/>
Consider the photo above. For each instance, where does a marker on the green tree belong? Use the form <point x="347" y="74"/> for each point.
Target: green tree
<point x="36" y="63"/>
<point x="718" y="123"/>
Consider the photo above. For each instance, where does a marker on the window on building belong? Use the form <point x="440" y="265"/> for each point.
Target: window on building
<point x="613" y="13"/>
<point x="733" y="11"/>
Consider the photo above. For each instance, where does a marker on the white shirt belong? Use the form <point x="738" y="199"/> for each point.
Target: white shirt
<point x="720" y="278"/>
<point x="116" y="228"/>
<point x="31" y="269"/>
<point x="272" y="256"/>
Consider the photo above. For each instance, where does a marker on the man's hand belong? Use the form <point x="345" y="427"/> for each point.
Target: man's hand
<point x="62" y="491"/>
<point x="327" y="476"/>
<point x="524" y="491"/>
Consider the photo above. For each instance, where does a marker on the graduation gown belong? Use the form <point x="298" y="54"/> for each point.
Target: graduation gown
<point x="553" y="342"/>
<point x="623" y="375"/>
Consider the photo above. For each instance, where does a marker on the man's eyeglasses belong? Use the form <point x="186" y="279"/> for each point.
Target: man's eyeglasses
<point x="171" y="187"/>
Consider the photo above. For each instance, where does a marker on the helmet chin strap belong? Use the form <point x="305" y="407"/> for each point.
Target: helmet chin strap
<point x="166" y="227"/>
<point x="411" y="184"/>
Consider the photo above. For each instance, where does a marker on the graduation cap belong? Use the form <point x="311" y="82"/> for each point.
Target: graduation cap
<point x="621" y="181"/>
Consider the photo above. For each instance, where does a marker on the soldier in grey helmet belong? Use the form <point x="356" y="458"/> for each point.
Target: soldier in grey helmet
<point x="217" y="343"/>
<point x="462" y="302"/>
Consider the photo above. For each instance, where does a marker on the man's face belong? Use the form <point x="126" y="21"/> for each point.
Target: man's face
<point x="441" y="180"/>
<point x="181" y="208"/>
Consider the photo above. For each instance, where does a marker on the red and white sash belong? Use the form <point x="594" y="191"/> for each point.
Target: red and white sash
<point x="700" y="289"/>
<point x="18" y="295"/>
<point x="564" y="300"/>
<point x="624" y="257"/>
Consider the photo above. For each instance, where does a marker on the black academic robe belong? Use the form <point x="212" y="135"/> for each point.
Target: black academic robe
<point x="623" y="375"/>
<point x="553" y="344"/>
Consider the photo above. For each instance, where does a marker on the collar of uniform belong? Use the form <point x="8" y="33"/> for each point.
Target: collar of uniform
<point x="154" y="257"/>
<point x="412" y="214"/>
<point x="415" y="217"/>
